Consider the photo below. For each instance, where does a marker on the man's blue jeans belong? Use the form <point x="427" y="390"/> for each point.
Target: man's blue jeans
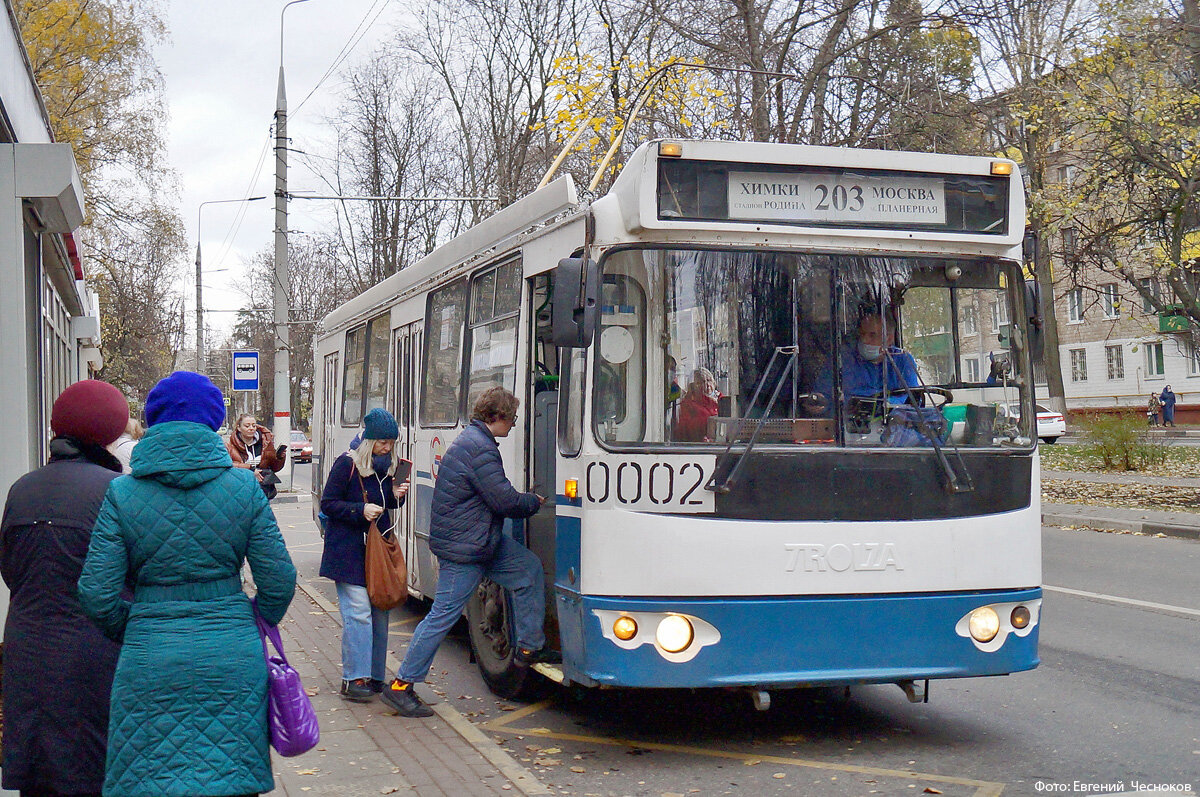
<point x="364" y="634"/>
<point x="514" y="567"/>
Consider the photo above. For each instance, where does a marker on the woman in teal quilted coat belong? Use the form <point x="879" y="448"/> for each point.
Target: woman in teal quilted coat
<point x="188" y="714"/>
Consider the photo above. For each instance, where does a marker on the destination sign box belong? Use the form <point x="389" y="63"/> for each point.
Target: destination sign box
<point x="818" y="197"/>
<point x="826" y="196"/>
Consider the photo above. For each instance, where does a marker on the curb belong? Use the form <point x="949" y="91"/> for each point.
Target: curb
<point x="1112" y="524"/>
<point x="521" y="778"/>
<point x="291" y="498"/>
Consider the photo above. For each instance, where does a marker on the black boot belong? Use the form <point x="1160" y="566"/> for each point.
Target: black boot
<point x="358" y="690"/>
<point x="400" y="696"/>
<point x="524" y="657"/>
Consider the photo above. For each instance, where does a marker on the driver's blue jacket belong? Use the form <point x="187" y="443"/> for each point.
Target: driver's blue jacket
<point x="864" y="378"/>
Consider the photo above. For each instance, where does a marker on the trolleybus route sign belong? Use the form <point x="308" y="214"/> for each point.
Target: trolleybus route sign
<point x="817" y="197"/>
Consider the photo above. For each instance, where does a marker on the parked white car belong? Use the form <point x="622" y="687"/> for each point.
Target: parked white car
<point x="1050" y="424"/>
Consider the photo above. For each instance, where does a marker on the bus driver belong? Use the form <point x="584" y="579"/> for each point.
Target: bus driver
<point x="864" y="365"/>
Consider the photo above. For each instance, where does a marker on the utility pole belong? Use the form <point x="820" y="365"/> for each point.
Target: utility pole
<point x="282" y="428"/>
<point x="199" y="284"/>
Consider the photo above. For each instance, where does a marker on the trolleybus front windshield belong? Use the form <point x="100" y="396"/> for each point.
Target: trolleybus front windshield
<point x="703" y="347"/>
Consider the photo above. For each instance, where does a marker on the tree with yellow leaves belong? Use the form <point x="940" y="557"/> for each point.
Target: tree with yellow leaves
<point x="93" y="63"/>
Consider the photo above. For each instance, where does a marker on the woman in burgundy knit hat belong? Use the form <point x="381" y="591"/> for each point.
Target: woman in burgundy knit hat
<point x="58" y="667"/>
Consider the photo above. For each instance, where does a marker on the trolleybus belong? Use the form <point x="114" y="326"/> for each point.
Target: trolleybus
<point x="744" y="490"/>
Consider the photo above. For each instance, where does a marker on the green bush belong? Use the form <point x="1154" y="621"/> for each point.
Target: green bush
<point x="1121" y="441"/>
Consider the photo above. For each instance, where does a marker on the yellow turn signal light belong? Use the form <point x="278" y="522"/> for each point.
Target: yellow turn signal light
<point x="1001" y="167"/>
<point x="571" y="488"/>
<point x="625" y="628"/>
<point x="1020" y="617"/>
<point x="670" y="149"/>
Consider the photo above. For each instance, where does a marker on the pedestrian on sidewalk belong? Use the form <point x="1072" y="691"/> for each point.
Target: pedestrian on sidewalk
<point x="1168" y="406"/>
<point x="252" y="447"/>
<point x="471" y="499"/>
<point x="58" y="668"/>
<point x="122" y="447"/>
<point x="1152" y="408"/>
<point x="188" y="713"/>
<point x="361" y="488"/>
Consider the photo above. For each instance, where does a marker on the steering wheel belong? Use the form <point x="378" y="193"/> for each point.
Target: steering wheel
<point x="922" y="391"/>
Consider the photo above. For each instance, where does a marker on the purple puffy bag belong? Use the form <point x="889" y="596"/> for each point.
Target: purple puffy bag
<point x="290" y="715"/>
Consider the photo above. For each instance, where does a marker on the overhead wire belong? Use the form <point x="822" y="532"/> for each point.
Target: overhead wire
<point x="355" y="37"/>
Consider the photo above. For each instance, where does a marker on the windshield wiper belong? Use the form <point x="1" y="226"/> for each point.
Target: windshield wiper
<point x="955" y="476"/>
<point x="730" y="479"/>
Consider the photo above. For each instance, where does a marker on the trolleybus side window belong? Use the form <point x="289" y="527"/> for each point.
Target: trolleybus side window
<point x="352" y="377"/>
<point x="620" y="361"/>
<point x="570" y="426"/>
<point x="378" y="341"/>
<point x="441" y="383"/>
<point x="364" y="382"/>
<point x="495" y="306"/>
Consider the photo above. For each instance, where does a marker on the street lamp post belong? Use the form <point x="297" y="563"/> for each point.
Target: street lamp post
<point x="282" y="427"/>
<point x="200" y="284"/>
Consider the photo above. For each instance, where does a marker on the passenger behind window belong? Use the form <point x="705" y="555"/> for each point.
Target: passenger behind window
<point x="698" y="404"/>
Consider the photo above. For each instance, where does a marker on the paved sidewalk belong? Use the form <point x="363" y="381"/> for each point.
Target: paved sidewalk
<point x="366" y="749"/>
<point x="1144" y="521"/>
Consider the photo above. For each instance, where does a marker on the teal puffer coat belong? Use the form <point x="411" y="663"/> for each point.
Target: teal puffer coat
<point x="189" y="701"/>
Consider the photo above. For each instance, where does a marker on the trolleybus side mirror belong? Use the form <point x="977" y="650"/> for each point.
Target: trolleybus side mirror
<point x="1033" y="309"/>
<point x="576" y="302"/>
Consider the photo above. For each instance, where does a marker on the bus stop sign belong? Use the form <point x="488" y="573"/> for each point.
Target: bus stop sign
<point x="245" y="370"/>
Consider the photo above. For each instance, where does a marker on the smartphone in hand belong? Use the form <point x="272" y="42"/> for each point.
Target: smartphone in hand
<point x="403" y="471"/>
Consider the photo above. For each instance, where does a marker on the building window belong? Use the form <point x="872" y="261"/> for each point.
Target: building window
<point x="1112" y="302"/>
<point x="999" y="315"/>
<point x="1078" y="365"/>
<point x="1193" y="358"/>
<point x="1154" y="359"/>
<point x="1115" y="358"/>
<point x="972" y="374"/>
<point x="1150" y="286"/>
<point x="970" y="320"/>
<point x="1075" y="305"/>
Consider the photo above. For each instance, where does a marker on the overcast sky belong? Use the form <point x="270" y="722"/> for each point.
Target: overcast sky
<point x="221" y="68"/>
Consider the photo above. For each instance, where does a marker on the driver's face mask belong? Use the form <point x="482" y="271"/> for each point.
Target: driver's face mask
<point x="870" y="353"/>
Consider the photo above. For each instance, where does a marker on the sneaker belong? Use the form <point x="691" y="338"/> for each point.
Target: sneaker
<point x="377" y="685"/>
<point x="358" y="690"/>
<point x="403" y="698"/>
<point x="524" y="657"/>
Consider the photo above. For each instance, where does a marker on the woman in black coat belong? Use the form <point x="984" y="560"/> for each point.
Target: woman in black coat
<point x="361" y="488"/>
<point x="58" y="667"/>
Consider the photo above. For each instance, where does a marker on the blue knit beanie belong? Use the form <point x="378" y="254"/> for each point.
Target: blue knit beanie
<point x="380" y="425"/>
<point x="186" y="396"/>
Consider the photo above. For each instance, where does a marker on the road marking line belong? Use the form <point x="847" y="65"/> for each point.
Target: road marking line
<point x="1158" y="607"/>
<point x="513" y="716"/>
<point x="983" y="788"/>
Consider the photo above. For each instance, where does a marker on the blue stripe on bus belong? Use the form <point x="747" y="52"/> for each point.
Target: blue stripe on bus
<point x="797" y="641"/>
<point x="562" y="499"/>
<point x="424" y="474"/>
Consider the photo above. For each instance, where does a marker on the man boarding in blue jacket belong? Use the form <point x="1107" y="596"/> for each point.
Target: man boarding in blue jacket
<point x="471" y="499"/>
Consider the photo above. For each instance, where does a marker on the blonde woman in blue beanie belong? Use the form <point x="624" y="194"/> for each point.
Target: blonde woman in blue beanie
<point x="361" y="487"/>
<point x="188" y="713"/>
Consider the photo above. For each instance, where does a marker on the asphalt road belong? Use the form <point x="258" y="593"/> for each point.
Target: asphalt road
<point x="1115" y="702"/>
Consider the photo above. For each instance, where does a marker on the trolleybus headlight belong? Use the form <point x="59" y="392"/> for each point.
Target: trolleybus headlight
<point x="625" y="628"/>
<point x="1020" y="617"/>
<point x="984" y="623"/>
<point x="674" y="633"/>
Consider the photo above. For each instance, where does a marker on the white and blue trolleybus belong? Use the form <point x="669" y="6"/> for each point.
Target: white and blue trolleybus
<point x="780" y="398"/>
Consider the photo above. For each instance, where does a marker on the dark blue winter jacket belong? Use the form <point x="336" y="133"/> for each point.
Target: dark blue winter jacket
<point x="472" y="497"/>
<point x="345" y="554"/>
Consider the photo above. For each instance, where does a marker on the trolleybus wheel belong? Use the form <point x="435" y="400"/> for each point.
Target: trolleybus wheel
<point x="488" y="619"/>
